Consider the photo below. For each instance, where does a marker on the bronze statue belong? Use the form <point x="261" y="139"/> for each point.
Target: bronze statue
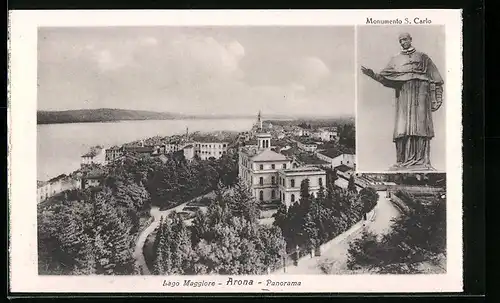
<point x="419" y="92"/>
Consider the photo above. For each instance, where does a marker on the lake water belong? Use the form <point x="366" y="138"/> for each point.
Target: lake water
<point x="59" y="146"/>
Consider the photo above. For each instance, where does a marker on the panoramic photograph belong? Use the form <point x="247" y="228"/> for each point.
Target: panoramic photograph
<point x="217" y="151"/>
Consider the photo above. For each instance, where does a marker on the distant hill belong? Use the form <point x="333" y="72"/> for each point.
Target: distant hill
<point x="99" y="115"/>
<point x="314" y="121"/>
<point x="114" y="114"/>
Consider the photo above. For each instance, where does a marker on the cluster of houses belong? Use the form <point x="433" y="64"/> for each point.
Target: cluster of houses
<point x="54" y="186"/>
<point x="63" y="182"/>
<point x="205" y="149"/>
<point x="274" y="173"/>
<point x="322" y="134"/>
<point x="98" y="155"/>
<point x="273" y="176"/>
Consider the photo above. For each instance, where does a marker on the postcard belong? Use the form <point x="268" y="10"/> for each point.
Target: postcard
<point x="235" y="151"/>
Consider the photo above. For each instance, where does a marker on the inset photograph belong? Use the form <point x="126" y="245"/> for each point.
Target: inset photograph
<point x="400" y="111"/>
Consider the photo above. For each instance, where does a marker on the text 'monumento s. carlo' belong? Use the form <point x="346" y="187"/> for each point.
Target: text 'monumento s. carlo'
<point x="417" y="85"/>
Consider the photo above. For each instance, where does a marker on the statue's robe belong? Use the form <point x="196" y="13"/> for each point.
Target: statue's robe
<point x="414" y="78"/>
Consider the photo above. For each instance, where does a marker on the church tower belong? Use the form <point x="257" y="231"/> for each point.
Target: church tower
<point x="264" y="141"/>
<point x="259" y="121"/>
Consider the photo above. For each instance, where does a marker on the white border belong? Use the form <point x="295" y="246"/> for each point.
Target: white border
<point x="22" y="147"/>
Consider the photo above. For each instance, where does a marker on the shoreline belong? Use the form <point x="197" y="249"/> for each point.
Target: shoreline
<point x="128" y="120"/>
<point x="105" y="147"/>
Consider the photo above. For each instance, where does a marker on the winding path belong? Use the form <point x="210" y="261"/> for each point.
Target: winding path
<point x="335" y="253"/>
<point x="157" y="215"/>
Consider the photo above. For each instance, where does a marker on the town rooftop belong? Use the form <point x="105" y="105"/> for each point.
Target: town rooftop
<point x="303" y="169"/>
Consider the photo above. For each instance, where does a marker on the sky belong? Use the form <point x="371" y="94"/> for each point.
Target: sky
<point x="375" y="114"/>
<point x="199" y="70"/>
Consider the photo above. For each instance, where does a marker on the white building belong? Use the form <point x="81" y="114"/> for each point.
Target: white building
<point x="189" y="151"/>
<point x="338" y="160"/>
<point x="325" y="134"/>
<point x="171" y="147"/>
<point x="43" y="190"/>
<point x="301" y="132"/>
<point x="260" y="168"/>
<point x="92" y="179"/>
<point x="328" y="135"/>
<point x="96" y="155"/>
<point x="207" y="150"/>
<point x="291" y="179"/>
<point x="47" y="189"/>
<point x="307" y="146"/>
<point x="113" y="153"/>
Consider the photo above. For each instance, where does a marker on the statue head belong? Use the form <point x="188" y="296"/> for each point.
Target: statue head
<point x="405" y="40"/>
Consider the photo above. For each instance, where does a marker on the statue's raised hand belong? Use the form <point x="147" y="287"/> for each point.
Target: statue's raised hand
<point x="367" y="71"/>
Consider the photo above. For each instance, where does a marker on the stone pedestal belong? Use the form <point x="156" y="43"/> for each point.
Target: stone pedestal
<point x="413" y="168"/>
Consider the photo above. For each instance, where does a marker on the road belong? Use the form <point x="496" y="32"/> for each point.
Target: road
<point x="334" y="258"/>
<point x="157" y="215"/>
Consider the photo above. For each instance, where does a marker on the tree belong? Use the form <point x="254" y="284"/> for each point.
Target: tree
<point x="296" y="215"/>
<point x="334" y="176"/>
<point x="310" y="234"/>
<point x="180" y="246"/>
<point x="218" y="214"/>
<point x="281" y="219"/>
<point x="49" y="244"/>
<point x="249" y="262"/>
<point x="221" y="255"/>
<point x="228" y="169"/>
<point x="331" y="177"/>
<point x="92" y="235"/>
<point x="200" y="227"/>
<point x="416" y="236"/>
<point x="159" y="263"/>
<point x="304" y="189"/>
<point x="87" y="264"/>
<point x="347" y="136"/>
<point x="111" y="237"/>
<point x="365" y="252"/>
<point x="73" y="239"/>
<point x="131" y="195"/>
<point x="369" y="198"/>
<point x="159" y="231"/>
<point x="178" y="156"/>
<point x="137" y="269"/>
<point x="163" y="260"/>
<point x="241" y="203"/>
<point x="352" y="184"/>
<point x="305" y="195"/>
<point x="321" y="194"/>
<point x="272" y="246"/>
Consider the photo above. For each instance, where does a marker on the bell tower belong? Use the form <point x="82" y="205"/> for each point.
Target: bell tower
<point x="259" y="121"/>
<point x="264" y="141"/>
